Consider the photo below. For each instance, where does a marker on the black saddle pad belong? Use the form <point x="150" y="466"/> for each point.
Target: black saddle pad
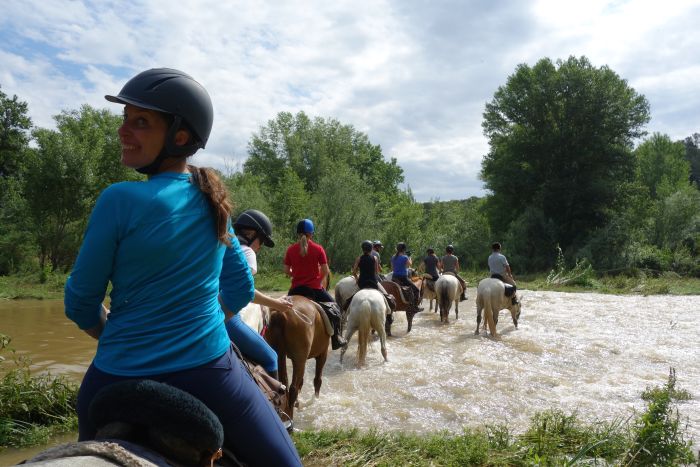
<point x="510" y="290"/>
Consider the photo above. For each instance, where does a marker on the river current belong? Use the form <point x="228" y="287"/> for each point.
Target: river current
<point x="582" y="353"/>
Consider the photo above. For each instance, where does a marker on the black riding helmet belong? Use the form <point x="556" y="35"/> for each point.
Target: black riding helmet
<point x="258" y="221"/>
<point x="450" y="249"/>
<point x="366" y="246"/>
<point x="400" y="247"/>
<point x="177" y="94"/>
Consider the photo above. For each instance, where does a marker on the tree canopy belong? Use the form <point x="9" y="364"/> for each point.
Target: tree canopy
<point x="560" y="147"/>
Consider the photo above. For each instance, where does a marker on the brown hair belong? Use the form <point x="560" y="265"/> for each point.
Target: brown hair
<point x="211" y="185"/>
<point x="303" y="244"/>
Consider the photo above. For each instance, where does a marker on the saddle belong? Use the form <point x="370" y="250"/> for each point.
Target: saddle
<point x="509" y="289"/>
<point x="404" y="291"/>
<point x="328" y="309"/>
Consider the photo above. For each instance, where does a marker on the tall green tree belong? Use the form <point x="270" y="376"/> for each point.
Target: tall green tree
<point x="343" y="211"/>
<point x="58" y="189"/>
<point x="96" y="133"/>
<point x="662" y="166"/>
<point x="16" y="247"/>
<point x="560" y="146"/>
<point x="14" y="133"/>
<point x="312" y="148"/>
<point x="692" y="155"/>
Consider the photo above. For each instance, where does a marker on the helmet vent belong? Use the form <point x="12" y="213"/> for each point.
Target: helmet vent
<point x="157" y="83"/>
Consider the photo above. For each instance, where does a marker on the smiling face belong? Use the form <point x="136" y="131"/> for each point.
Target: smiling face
<point x="142" y="136"/>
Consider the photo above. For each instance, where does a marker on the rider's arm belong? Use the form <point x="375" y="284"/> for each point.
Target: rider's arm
<point x="457" y="266"/>
<point x="325" y="272"/>
<point x="274" y="303"/>
<point x="355" y="265"/>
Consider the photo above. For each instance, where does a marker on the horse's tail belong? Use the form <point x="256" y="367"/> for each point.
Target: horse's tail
<point x="444" y="297"/>
<point x="365" y="316"/>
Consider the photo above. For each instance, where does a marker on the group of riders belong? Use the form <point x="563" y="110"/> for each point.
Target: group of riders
<point x="305" y="262"/>
<point x="180" y="272"/>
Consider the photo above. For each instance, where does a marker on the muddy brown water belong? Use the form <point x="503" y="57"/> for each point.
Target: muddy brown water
<point x="586" y="353"/>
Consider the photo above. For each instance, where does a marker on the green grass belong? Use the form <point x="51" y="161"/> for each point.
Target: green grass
<point x="553" y="438"/>
<point x="32" y="286"/>
<point x="33" y="408"/>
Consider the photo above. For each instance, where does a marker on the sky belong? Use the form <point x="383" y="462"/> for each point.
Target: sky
<point x="414" y="76"/>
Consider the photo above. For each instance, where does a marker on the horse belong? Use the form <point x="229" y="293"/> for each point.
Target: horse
<point x="255" y="316"/>
<point x="448" y="290"/>
<point x="491" y="299"/>
<point x="367" y="310"/>
<point x="429" y="294"/>
<point x="300" y="335"/>
<point x="401" y="304"/>
<point x="344" y="289"/>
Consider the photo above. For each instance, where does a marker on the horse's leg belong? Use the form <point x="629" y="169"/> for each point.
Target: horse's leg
<point x="387" y="323"/>
<point x="457" y="309"/>
<point x="282" y="368"/>
<point x="377" y="326"/>
<point x="320" y="362"/>
<point x="298" y="365"/>
<point x="488" y="315"/>
<point x="409" y="318"/>
<point x="352" y="327"/>
<point x="479" y="307"/>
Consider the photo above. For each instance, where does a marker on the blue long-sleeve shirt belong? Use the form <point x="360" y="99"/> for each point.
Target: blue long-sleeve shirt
<point x="156" y="242"/>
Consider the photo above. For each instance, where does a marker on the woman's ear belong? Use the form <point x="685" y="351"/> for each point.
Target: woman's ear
<point x="182" y="137"/>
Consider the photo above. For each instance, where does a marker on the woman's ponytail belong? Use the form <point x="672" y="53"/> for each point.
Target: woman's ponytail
<point x="303" y="244"/>
<point x="211" y="185"/>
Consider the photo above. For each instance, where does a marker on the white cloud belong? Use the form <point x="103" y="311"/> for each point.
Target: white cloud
<point x="412" y="75"/>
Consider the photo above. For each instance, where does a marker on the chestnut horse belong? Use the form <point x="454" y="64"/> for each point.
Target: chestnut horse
<point x="401" y="305"/>
<point x="300" y="335"/>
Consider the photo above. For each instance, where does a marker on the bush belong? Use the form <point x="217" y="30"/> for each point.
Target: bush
<point x="658" y="439"/>
<point x="33" y="407"/>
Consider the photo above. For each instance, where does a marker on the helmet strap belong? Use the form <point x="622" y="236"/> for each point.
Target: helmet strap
<point x="170" y="149"/>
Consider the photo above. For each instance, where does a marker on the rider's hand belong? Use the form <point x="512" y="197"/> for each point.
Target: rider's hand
<point x="285" y="304"/>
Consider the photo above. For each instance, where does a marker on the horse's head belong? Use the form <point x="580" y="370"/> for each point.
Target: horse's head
<point x="515" y="308"/>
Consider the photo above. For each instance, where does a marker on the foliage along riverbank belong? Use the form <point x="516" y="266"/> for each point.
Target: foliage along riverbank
<point x="50" y="285"/>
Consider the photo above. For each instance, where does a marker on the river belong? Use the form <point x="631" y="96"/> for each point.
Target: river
<point x="587" y="353"/>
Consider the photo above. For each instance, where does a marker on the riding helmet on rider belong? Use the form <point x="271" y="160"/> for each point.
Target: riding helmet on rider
<point x="366" y="246"/>
<point x="257" y="222"/>
<point x="182" y="100"/>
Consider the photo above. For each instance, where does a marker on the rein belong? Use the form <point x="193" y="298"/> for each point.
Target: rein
<point x="303" y="317"/>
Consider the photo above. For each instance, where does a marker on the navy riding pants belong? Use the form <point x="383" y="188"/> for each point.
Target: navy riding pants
<point x="252" y="429"/>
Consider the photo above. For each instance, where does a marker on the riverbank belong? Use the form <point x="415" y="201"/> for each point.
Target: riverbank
<point x="654" y="437"/>
<point x="50" y="286"/>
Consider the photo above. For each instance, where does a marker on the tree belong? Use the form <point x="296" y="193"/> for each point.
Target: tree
<point x="14" y="127"/>
<point x="692" y="155"/>
<point x="312" y="148"/>
<point x="560" y="139"/>
<point x="15" y="242"/>
<point x="344" y="215"/>
<point x="662" y="166"/>
<point x="59" y="193"/>
<point x="96" y="132"/>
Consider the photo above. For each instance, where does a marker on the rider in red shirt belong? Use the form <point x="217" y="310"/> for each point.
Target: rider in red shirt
<point x="306" y="263"/>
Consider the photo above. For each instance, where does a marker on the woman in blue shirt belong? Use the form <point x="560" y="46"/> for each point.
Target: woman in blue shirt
<point x="176" y="269"/>
<point x="400" y="263"/>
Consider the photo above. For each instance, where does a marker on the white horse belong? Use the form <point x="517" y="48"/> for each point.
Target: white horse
<point x="367" y="310"/>
<point x="344" y="289"/>
<point x="491" y="299"/>
<point x="255" y="316"/>
<point x="448" y="290"/>
<point x="429" y="294"/>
